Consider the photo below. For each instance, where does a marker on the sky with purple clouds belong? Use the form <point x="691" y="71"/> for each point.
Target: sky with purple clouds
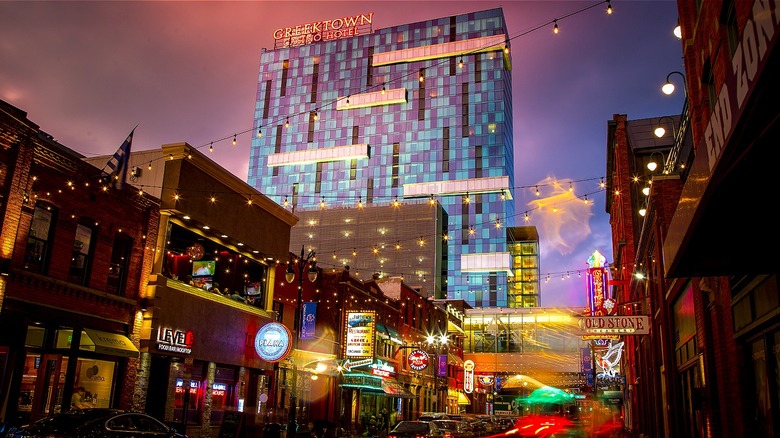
<point x="88" y="72"/>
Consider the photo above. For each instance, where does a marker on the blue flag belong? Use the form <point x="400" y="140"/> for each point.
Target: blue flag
<point x="120" y="162"/>
<point x="309" y="321"/>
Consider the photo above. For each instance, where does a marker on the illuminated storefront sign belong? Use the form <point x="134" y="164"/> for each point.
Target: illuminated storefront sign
<point x="180" y="386"/>
<point x="485" y="380"/>
<point x="468" y="376"/>
<point x="622" y="325"/>
<point x="326" y="30"/>
<point x="174" y="340"/>
<point x="609" y="361"/>
<point x="382" y="369"/>
<point x="218" y="389"/>
<point x="272" y="342"/>
<point x="596" y="284"/>
<point x="418" y="360"/>
<point x="360" y="334"/>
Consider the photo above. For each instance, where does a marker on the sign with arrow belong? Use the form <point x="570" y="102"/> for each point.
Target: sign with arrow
<point x="348" y="365"/>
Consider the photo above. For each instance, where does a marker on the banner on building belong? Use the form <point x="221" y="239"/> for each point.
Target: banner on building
<point x="308" y="320"/>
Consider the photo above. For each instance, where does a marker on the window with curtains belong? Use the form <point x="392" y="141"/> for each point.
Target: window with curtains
<point x="81" y="255"/>
<point x="39" y="239"/>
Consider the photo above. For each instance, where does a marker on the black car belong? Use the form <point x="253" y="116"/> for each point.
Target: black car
<point x="97" y="422"/>
<point x="414" y="429"/>
<point x="454" y="429"/>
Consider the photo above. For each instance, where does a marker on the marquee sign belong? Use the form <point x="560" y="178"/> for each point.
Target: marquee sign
<point x="272" y="342"/>
<point x="360" y="334"/>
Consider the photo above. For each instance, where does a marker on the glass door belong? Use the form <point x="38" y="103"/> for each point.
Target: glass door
<point x="49" y="383"/>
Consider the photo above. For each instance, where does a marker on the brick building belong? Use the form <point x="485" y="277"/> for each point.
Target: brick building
<point x="74" y="261"/>
<point x="704" y="251"/>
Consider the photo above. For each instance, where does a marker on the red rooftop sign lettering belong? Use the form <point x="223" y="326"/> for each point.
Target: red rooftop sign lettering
<point x="326" y="30"/>
<point x="622" y="325"/>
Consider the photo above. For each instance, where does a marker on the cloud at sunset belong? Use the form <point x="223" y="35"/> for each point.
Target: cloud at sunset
<point x="560" y="216"/>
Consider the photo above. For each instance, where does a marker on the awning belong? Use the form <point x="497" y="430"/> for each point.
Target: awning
<point x="393" y="388"/>
<point x="452" y="327"/>
<point x="108" y="343"/>
<point x="454" y="359"/>
<point x="463" y="400"/>
<point x="381" y="331"/>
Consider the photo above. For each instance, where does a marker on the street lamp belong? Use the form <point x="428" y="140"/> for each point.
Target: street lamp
<point x="660" y="131"/>
<point x="439" y="342"/>
<point x="301" y="265"/>
<point x="668" y="86"/>
<point x="653" y="164"/>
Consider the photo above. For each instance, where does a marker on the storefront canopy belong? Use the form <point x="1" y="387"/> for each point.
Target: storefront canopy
<point x="108" y="343"/>
<point x="463" y="400"/>
<point x="393" y="388"/>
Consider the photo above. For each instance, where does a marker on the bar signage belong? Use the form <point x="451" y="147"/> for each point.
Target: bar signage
<point x="624" y="325"/>
<point x="174" y="340"/>
<point x="272" y="342"/>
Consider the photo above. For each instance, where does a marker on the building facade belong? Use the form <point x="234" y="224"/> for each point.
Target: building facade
<point x="710" y="366"/>
<point x="404" y="241"/>
<point x="74" y="265"/>
<point x="422" y="110"/>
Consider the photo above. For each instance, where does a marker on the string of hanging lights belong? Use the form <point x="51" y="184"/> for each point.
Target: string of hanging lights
<point x="258" y="130"/>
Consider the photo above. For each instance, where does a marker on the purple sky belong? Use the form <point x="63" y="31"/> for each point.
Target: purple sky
<point x="88" y="72"/>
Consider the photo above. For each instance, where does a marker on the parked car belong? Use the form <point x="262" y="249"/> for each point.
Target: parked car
<point x="95" y="423"/>
<point x="415" y="429"/>
<point x="454" y="428"/>
<point x="506" y="423"/>
<point x="430" y="416"/>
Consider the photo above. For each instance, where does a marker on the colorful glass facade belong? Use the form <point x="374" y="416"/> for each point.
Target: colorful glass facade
<point x="391" y="115"/>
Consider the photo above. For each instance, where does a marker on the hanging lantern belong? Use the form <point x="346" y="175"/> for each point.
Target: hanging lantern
<point x="196" y="251"/>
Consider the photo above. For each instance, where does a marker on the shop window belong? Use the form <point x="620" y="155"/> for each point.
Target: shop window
<point x="186" y="402"/>
<point x="36" y="256"/>
<point x="81" y="255"/>
<point x="120" y="258"/>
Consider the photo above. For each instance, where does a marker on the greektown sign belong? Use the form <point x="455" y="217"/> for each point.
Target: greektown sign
<point x="325" y="30"/>
<point x="619" y="325"/>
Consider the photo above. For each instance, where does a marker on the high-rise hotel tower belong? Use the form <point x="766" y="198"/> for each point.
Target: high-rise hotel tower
<point x="349" y="115"/>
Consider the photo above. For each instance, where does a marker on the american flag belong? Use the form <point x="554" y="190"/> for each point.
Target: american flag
<point x="120" y="162"/>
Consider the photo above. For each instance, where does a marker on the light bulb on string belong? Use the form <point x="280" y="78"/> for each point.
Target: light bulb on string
<point x="211" y="147"/>
<point x="287" y="123"/>
<point x="383" y="88"/>
<point x="537" y="191"/>
<point x="234" y="139"/>
<point x="555" y="28"/>
<point x="259" y="132"/>
<point x="460" y="63"/>
<point x="609" y="7"/>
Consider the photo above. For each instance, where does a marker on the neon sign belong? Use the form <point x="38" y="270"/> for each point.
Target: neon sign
<point x="174" y="340"/>
<point x="326" y="30"/>
<point x="468" y="376"/>
<point x="272" y="342"/>
<point x="418" y="360"/>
